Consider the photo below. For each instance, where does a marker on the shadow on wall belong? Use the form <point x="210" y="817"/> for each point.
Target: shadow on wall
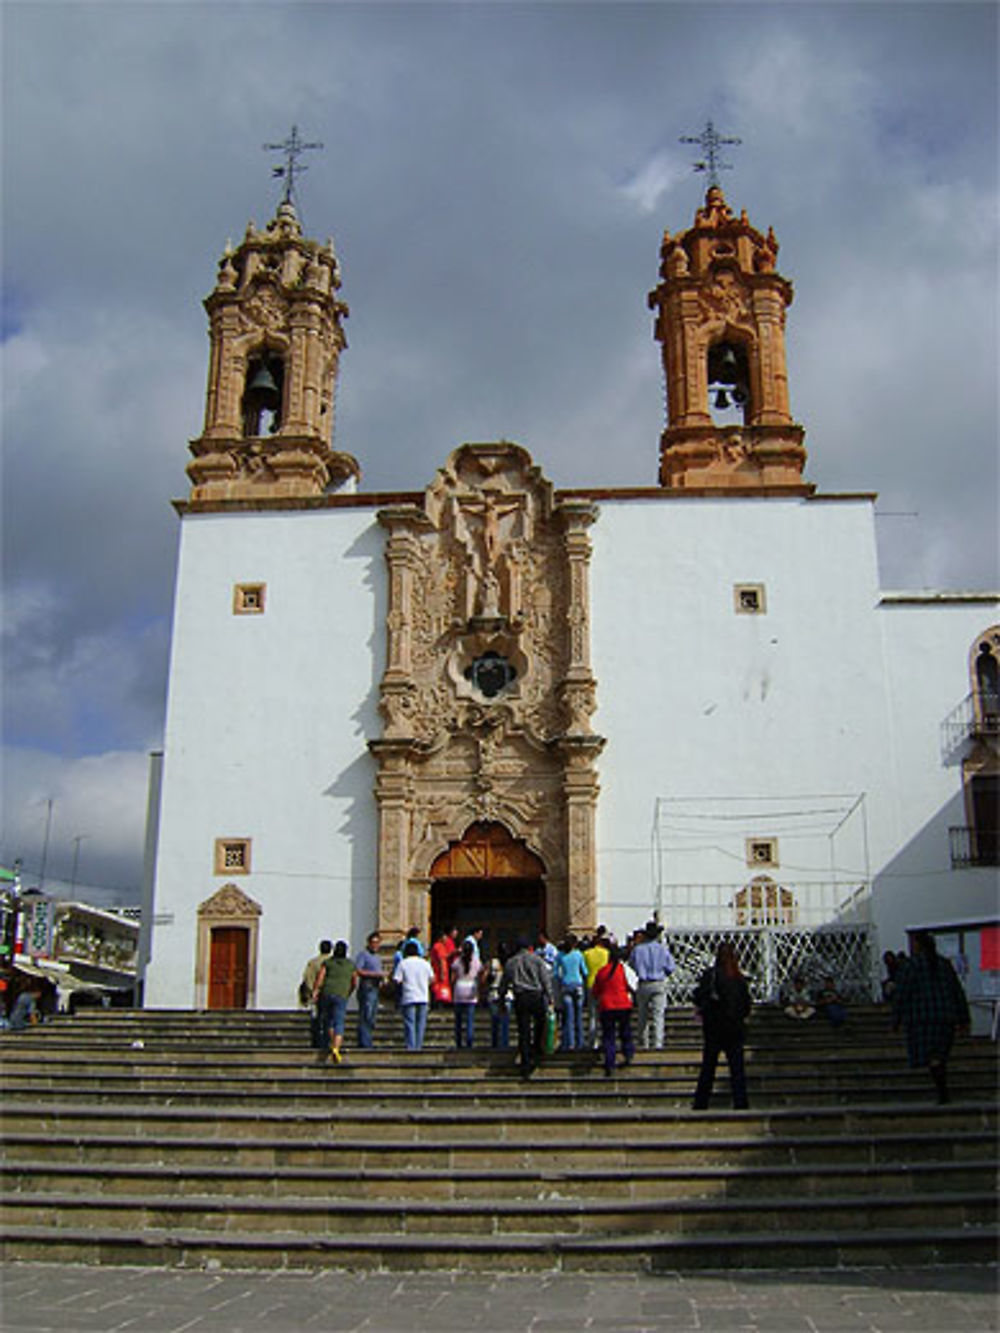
<point x="921" y="887"/>
<point x="354" y="786"/>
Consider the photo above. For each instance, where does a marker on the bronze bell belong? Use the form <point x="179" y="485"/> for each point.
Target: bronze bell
<point x="721" y="401"/>
<point x="728" y="366"/>
<point x="264" y="388"/>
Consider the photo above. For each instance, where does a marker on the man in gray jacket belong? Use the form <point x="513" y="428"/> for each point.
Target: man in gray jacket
<point x="527" y="975"/>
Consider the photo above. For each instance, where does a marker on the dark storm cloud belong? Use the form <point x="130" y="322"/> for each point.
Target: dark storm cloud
<point x="496" y="178"/>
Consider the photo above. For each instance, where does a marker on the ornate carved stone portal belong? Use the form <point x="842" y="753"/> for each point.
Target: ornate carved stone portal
<point x="487" y="694"/>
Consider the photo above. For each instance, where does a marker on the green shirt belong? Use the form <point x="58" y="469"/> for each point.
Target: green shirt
<point x="337" y="980"/>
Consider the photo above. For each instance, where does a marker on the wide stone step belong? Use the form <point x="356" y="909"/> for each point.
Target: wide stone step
<point x="469" y="1122"/>
<point x="827" y="1248"/>
<point x="795" y="1181"/>
<point x="484" y="1215"/>
<point x="440" y="1023"/>
<point x="650" y="1092"/>
<point x="727" y="1141"/>
<point x="249" y="1030"/>
<point x="397" y="1072"/>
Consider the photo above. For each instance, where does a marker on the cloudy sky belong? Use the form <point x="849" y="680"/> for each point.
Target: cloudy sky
<point x="496" y="178"/>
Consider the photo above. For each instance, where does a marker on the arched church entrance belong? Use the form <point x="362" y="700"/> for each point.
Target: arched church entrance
<point x="490" y="879"/>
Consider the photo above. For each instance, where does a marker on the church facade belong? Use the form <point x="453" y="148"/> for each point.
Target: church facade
<point x="494" y="702"/>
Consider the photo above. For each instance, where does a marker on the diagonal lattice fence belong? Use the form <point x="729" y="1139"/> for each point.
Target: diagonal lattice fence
<point x="770" y="956"/>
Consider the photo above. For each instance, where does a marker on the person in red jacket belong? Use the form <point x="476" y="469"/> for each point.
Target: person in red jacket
<point x="613" y="997"/>
<point x="443" y="950"/>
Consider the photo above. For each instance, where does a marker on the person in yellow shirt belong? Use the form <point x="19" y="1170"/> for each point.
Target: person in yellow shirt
<point x="596" y="956"/>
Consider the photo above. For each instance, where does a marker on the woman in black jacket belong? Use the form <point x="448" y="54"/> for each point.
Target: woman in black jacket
<point x="722" y="998"/>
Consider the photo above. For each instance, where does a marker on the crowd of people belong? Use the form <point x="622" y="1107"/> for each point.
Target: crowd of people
<point x="597" y="994"/>
<point x="455" y="972"/>
<point x="580" y="994"/>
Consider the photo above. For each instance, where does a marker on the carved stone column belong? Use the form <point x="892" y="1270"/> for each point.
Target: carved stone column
<point x="393" y="796"/>
<point x="581" y="791"/>
<point x="404" y="523"/>
<point x="577" y="516"/>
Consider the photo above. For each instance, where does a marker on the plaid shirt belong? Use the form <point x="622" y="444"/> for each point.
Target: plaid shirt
<point x="932" y="1004"/>
<point x="926" y="996"/>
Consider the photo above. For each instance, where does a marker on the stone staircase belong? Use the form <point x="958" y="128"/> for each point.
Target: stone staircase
<point x="173" y="1138"/>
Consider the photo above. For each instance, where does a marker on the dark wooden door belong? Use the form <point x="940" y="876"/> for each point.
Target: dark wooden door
<point x="505" y="908"/>
<point x="491" y="879"/>
<point x="229" y="952"/>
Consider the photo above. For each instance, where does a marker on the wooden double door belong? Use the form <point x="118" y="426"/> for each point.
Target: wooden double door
<point x="228" y="967"/>
<point x="488" y="879"/>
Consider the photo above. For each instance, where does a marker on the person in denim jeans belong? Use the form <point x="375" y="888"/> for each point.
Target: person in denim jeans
<point x="571" y="976"/>
<point x="333" y="989"/>
<point x="499" y="1009"/>
<point x="368" y="966"/>
<point x="413" y="975"/>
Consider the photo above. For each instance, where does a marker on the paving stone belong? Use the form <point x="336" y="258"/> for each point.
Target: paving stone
<point x="36" y="1300"/>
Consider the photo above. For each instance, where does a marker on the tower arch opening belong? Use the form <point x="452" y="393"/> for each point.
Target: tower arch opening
<point x="728" y="377"/>
<point x="263" y="395"/>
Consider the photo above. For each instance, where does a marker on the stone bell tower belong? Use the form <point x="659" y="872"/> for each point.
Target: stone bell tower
<point x="275" y="326"/>
<point x="720" y="318"/>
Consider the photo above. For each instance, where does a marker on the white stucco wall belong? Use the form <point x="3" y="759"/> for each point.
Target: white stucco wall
<point x="268" y="718"/>
<point x="735" y="718"/>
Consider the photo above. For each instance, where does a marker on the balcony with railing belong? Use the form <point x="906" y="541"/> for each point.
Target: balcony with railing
<point x="976" y="717"/>
<point x="974" y="847"/>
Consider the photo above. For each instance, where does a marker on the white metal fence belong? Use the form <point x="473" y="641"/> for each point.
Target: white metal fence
<point x="763" y="901"/>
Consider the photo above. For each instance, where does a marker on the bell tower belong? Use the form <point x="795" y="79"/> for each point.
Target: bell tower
<point x="720" y="319"/>
<point x="276" y="334"/>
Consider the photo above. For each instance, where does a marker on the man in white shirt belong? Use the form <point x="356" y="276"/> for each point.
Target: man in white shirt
<point x="414" y="976"/>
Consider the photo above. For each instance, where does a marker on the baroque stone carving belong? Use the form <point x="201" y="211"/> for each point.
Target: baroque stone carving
<point x="488" y="675"/>
<point x="229" y="901"/>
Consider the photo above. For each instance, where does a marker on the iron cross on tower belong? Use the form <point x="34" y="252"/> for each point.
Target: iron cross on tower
<point x="292" y="148"/>
<point x="710" y="142"/>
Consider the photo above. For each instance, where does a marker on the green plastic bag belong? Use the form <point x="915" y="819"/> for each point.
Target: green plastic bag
<point x="550" y="1031"/>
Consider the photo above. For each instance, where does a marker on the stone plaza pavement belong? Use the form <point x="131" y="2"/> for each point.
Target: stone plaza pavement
<point x="64" y="1298"/>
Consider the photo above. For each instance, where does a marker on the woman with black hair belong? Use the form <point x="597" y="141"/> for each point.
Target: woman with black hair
<point x="613" y="997"/>
<point x="722" y="998"/>
<point x="465" y="969"/>
<point x="930" y="1001"/>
